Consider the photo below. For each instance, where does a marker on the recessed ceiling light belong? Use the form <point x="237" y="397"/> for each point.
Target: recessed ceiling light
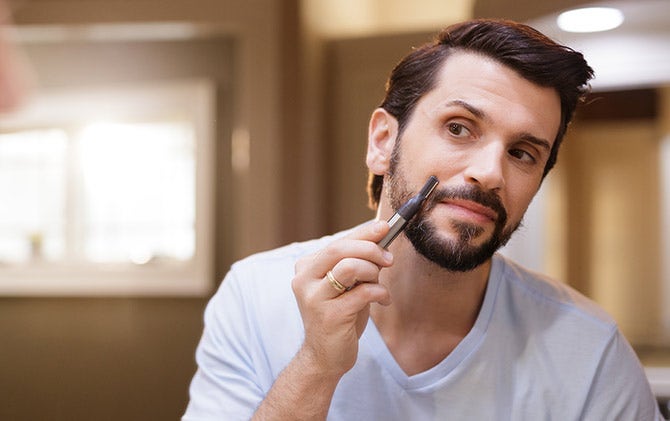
<point x="590" y="19"/>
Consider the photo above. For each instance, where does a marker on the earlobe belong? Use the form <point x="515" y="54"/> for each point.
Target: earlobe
<point x="382" y="133"/>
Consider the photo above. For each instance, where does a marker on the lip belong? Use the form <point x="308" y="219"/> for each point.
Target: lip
<point x="472" y="210"/>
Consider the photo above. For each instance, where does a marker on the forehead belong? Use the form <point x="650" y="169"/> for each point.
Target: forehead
<point x="497" y="90"/>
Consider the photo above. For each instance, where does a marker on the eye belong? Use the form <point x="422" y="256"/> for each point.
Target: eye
<point x="523" y="156"/>
<point x="457" y="129"/>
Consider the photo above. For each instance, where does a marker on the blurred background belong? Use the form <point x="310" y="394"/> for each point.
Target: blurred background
<point x="160" y="140"/>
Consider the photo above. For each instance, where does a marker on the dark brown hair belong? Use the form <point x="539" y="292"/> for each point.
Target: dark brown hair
<point x="530" y="53"/>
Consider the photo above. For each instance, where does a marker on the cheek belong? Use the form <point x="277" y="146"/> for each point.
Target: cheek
<point x="445" y="163"/>
<point x="518" y="202"/>
<point x="424" y="148"/>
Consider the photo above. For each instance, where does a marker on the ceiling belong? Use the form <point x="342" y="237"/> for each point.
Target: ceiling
<point x="636" y="54"/>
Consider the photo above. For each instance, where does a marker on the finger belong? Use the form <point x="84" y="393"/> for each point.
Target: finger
<point x="350" y="271"/>
<point x="335" y="284"/>
<point x="372" y="231"/>
<point x="365" y="294"/>
<point x="345" y="275"/>
<point x="361" y="244"/>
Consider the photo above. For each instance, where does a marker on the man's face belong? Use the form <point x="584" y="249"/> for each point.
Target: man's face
<point x="486" y="133"/>
<point x="460" y="253"/>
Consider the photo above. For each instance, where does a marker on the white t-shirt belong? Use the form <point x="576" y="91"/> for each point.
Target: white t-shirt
<point x="538" y="351"/>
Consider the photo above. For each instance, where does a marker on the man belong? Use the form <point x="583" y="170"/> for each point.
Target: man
<point x="437" y="326"/>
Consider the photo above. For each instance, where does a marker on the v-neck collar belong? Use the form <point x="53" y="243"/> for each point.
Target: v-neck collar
<point x="430" y="378"/>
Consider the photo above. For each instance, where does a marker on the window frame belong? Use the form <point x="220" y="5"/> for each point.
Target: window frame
<point x="193" y="99"/>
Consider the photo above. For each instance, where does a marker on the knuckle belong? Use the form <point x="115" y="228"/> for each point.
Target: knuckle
<point x="371" y="292"/>
<point x="346" y="268"/>
<point x="336" y="248"/>
<point x="299" y="283"/>
<point x="302" y="262"/>
<point x="296" y="285"/>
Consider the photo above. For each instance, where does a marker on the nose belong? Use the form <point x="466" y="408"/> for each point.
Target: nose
<point x="485" y="167"/>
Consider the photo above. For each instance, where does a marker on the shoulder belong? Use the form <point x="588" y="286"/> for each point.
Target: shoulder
<point x="587" y="351"/>
<point x="265" y="277"/>
<point x="279" y="260"/>
<point x="255" y="301"/>
<point x="552" y="298"/>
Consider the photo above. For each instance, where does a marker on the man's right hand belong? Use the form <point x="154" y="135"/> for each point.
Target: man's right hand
<point x="334" y="320"/>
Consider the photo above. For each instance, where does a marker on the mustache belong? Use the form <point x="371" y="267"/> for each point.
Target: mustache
<point x="471" y="193"/>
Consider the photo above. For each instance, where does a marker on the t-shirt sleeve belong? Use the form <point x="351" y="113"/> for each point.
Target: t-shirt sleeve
<point x="620" y="390"/>
<point x="224" y="386"/>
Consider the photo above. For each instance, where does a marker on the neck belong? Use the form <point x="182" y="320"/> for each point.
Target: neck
<point x="429" y="293"/>
<point x="431" y="306"/>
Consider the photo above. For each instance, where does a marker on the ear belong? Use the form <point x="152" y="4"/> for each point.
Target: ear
<point x="382" y="133"/>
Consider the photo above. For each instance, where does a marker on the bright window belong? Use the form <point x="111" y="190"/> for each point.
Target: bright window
<point x="33" y="173"/>
<point x="138" y="191"/>
<point x="113" y="201"/>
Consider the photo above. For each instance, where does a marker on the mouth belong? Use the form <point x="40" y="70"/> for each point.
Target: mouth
<point x="471" y="210"/>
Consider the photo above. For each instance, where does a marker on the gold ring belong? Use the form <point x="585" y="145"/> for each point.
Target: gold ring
<point x="335" y="283"/>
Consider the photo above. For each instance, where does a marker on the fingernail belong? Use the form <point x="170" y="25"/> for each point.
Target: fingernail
<point x="388" y="256"/>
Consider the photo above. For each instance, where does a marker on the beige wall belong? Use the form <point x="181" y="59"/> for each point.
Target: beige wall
<point x="132" y="358"/>
<point x="96" y="359"/>
<point x="612" y="194"/>
<point x="356" y="71"/>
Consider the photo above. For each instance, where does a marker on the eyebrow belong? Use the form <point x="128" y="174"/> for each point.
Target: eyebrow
<point x="479" y="113"/>
<point x="542" y="143"/>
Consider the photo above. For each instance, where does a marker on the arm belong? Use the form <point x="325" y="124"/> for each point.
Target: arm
<point x="226" y="384"/>
<point x="301" y="392"/>
<point x="333" y="322"/>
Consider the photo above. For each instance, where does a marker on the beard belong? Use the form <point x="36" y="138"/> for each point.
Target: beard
<point x="458" y="254"/>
